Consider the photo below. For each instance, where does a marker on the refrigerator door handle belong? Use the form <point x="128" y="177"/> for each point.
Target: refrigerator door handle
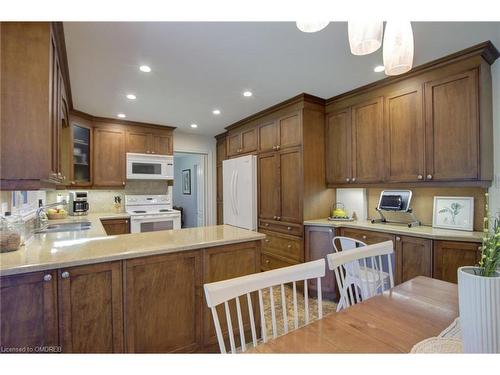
<point x="236" y="192"/>
<point x="233" y="206"/>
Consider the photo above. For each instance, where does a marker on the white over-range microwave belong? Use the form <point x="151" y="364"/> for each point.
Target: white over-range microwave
<point x="149" y="167"/>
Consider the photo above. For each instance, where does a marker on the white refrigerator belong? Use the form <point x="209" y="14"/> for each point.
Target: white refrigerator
<point x="239" y="178"/>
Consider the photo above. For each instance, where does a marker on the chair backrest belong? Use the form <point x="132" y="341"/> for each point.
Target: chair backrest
<point x="348" y="243"/>
<point x="222" y="292"/>
<point x="372" y="276"/>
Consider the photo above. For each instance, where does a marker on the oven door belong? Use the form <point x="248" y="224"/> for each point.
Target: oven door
<point x="149" y="167"/>
<point x="154" y="223"/>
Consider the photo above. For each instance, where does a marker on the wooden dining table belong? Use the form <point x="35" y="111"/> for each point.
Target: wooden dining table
<point x="388" y="323"/>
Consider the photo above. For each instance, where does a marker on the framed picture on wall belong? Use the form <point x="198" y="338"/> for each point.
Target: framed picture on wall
<point x="186" y="181"/>
<point x="453" y="213"/>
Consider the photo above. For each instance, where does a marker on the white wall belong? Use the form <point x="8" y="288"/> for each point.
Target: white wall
<point x="494" y="190"/>
<point x="187" y="201"/>
<point x="187" y="142"/>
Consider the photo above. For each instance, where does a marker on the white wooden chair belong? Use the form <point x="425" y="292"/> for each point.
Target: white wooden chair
<point x="368" y="262"/>
<point x="365" y="280"/>
<point x="222" y="292"/>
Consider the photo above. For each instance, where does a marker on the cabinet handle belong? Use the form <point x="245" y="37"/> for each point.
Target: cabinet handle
<point x="429" y="177"/>
<point x="289" y="228"/>
<point x="354" y="179"/>
<point x="347" y="179"/>
<point x="266" y="224"/>
<point x="266" y="240"/>
<point x="419" y="177"/>
<point x="274" y="147"/>
<point x="329" y="230"/>
<point x="274" y="217"/>
<point x="73" y="182"/>
<point x="123" y="183"/>
<point x="289" y="246"/>
<point x="364" y="237"/>
<point x="398" y="238"/>
<point x="278" y="218"/>
<point x="126" y="221"/>
<point x="267" y="261"/>
<point x="479" y="248"/>
<point x="152" y="152"/>
<point x="278" y="147"/>
<point x="47" y="277"/>
<point x="65" y="275"/>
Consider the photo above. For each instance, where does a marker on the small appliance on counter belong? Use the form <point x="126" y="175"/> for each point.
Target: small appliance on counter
<point x="78" y="204"/>
<point x="394" y="207"/>
<point x="339" y="213"/>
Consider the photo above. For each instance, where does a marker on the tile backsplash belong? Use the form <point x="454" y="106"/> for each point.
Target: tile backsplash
<point x="102" y="200"/>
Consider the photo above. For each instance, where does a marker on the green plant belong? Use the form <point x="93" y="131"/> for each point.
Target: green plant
<point x="453" y="210"/>
<point x="490" y="249"/>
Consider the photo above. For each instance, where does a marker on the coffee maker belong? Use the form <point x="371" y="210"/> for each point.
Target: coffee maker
<point x="78" y="204"/>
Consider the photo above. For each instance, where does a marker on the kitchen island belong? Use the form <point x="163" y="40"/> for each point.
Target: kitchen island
<point x="87" y="292"/>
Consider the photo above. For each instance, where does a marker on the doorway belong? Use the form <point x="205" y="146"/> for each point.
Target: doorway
<point x="190" y="188"/>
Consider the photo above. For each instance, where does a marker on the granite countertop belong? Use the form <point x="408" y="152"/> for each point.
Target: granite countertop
<point x="64" y="249"/>
<point x="422" y="231"/>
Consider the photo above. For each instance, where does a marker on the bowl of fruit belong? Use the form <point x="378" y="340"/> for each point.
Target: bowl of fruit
<point x="56" y="213"/>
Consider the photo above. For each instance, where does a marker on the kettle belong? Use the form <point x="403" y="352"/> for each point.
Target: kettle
<point x="339" y="210"/>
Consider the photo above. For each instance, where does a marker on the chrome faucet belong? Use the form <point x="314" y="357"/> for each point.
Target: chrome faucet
<point x="39" y="220"/>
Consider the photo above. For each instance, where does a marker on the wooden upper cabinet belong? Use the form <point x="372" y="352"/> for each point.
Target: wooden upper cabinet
<point x="268" y="185"/>
<point x="138" y="141"/>
<point x="163" y="144"/>
<point x="338" y="147"/>
<point x="290" y="174"/>
<point x="450" y="255"/>
<point x="242" y="141"/>
<point x="268" y="136"/>
<point x="290" y="131"/>
<point x="452" y="127"/>
<point x="163" y="296"/>
<point x="367" y="141"/>
<point x="413" y="258"/>
<point x="221" y="150"/>
<point x="90" y="303"/>
<point x="109" y="157"/>
<point x="404" y="135"/>
<point x="28" y="310"/>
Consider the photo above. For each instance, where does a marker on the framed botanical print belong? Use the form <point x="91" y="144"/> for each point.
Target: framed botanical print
<point x="453" y="213"/>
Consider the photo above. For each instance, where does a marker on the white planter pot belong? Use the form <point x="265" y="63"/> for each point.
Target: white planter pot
<point x="479" y="304"/>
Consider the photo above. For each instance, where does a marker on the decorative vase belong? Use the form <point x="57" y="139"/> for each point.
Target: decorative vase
<point x="479" y="304"/>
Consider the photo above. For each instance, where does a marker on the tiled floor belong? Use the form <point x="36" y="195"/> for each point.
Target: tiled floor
<point x="328" y="307"/>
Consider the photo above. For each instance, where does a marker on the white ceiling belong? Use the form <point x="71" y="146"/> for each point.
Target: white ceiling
<point x="200" y="66"/>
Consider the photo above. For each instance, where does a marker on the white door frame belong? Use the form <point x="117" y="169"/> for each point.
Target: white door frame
<point x="207" y="191"/>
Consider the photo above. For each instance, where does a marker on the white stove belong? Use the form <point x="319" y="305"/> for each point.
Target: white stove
<point x="151" y="213"/>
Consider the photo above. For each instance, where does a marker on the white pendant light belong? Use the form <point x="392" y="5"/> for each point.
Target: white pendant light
<point x="365" y="37"/>
<point x="311" y="27"/>
<point x="398" y="47"/>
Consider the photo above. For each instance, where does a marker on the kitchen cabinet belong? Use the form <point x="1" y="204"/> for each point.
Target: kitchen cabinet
<point x="115" y="227"/>
<point x="283" y="245"/>
<point x="318" y="244"/>
<point x="268" y="136"/>
<point x="452" y="127"/>
<point x="222" y="263"/>
<point x="281" y="133"/>
<point x="221" y="155"/>
<point x="81" y="155"/>
<point x="367" y="236"/>
<point x="90" y="305"/>
<point x="338" y="147"/>
<point x="242" y="141"/>
<point x="268" y="186"/>
<point x="450" y="255"/>
<point x="142" y="141"/>
<point x="404" y="135"/>
<point x="163" y="302"/>
<point x="272" y="262"/>
<point x="28" y="311"/>
<point x="413" y="258"/>
<point x="367" y="142"/>
<point x="109" y="156"/>
<point x="34" y="107"/>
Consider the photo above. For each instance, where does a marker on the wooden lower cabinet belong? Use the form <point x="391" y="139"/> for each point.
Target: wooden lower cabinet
<point x="450" y="255"/>
<point x="367" y="236"/>
<point x="318" y="244"/>
<point x="116" y="226"/>
<point x="222" y="263"/>
<point x="28" y="311"/>
<point x="163" y="303"/>
<point x="413" y="258"/>
<point x="90" y="307"/>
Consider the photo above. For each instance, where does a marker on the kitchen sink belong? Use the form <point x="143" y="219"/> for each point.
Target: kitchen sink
<point x="65" y="227"/>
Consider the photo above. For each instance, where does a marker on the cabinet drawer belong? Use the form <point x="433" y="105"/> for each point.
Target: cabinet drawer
<point x="271" y="262"/>
<point x="276" y="226"/>
<point x="286" y="246"/>
<point x="368" y="237"/>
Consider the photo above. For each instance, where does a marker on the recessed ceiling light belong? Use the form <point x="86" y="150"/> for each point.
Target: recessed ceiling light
<point x="247" y="93"/>
<point x="121" y="115"/>
<point x="216" y="112"/>
<point x="145" y="68"/>
<point x="194" y="125"/>
<point x="379" y="68"/>
<point x="131" y="96"/>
